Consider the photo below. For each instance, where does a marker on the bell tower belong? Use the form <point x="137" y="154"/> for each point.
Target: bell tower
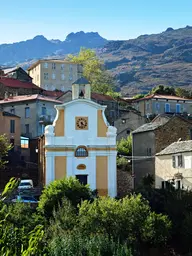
<point x="81" y="89"/>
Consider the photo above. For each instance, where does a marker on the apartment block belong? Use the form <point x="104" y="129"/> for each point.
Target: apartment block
<point x="55" y="74"/>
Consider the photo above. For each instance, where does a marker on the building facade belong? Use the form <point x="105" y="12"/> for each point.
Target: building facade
<point x="159" y="104"/>
<point x="173" y="165"/>
<point x="10" y="125"/>
<point x="35" y="111"/>
<point x="80" y="143"/>
<point x="112" y="106"/>
<point x="151" y="138"/>
<point x="17" y="73"/>
<point x="55" y="74"/>
<point x="14" y="87"/>
<point x="129" y="121"/>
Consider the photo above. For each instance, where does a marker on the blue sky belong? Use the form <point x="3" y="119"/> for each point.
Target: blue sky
<point x="115" y="19"/>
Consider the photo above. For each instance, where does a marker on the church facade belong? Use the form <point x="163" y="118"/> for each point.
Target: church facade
<point x="80" y="143"/>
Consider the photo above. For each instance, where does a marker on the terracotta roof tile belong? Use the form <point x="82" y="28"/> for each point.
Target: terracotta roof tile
<point x="158" y="96"/>
<point x="98" y="96"/>
<point x="53" y="94"/>
<point x="27" y="98"/>
<point x="15" y="83"/>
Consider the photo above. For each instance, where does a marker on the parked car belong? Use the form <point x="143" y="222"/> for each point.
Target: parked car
<point x="25" y="185"/>
<point x="25" y="199"/>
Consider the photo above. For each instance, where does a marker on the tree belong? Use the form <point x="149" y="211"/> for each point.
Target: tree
<point x="139" y="96"/>
<point x="129" y="219"/>
<point x="124" y="146"/>
<point x="93" y="69"/>
<point x="5" y="146"/>
<point x="54" y="193"/>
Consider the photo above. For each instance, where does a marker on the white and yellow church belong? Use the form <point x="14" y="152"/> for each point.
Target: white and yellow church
<point x="80" y="143"/>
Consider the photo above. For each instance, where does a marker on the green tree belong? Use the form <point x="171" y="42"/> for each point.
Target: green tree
<point x="93" y="69"/>
<point x="54" y="193"/>
<point x="124" y="146"/>
<point x="5" y="146"/>
<point x="139" y="96"/>
<point x="128" y="219"/>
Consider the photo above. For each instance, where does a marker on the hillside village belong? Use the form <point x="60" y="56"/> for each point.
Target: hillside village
<point x="59" y="127"/>
<point x="28" y="100"/>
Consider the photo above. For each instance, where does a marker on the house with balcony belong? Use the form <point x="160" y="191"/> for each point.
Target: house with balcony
<point x="155" y="104"/>
<point x="173" y="165"/>
<point x="36" y="111"/>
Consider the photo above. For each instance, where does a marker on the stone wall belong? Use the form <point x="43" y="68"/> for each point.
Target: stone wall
<point x="124" y="182"/>
<point x="174" y="129"/>
<point x="127" y="123"/>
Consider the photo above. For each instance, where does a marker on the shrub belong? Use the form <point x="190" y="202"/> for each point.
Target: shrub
<point x="53" y="194"/>
<point x="129" y="219"/>
<point x="70" y="244"/>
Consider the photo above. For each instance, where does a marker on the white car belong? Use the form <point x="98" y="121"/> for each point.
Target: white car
<point x="25" y="184"/>
<point x="24" y="199"/>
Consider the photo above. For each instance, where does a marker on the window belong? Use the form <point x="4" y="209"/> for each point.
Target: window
<point x="128" y="132"/>
<point x="178" y="184"/>
<point x="24" y="142"/>
<point x="157" y="106"/>
<point x="177" y="161"/>
<point x="167" y="107"/>
<point x="43" y="111"/>
<point x="178" y="108"/>
<point x="53" y="65"/>
<point x="12" y="126"/>
<point x="112" y="113"/>
<point x="27" y="112"/>
<point x="70" y="77"/>
<point x="147" y="106"/>
<point x="62" y="66"/>
<point x="180" y="162"/>
<point x="27" y="128"/>
<point x="81" y="151"/>
<point x="46" y="76"/>
<point x="12" y="111"/>
<point x="45" y="65"/>
<point x="82" y="179"/>
<point x="53" y="76"/>
<point x="62" y="88"/>
<point x="70" y="67"/>
<point x="173" y="162"/>
<point x="148" y="151"/>
<point x="52" y="87"/>
<point x="62" y="77"/>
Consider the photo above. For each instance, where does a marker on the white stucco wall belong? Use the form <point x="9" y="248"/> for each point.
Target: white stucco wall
<point x="164" y="170"/>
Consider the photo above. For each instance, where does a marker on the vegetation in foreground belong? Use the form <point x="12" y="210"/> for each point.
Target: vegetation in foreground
<point x="70" y="221"/>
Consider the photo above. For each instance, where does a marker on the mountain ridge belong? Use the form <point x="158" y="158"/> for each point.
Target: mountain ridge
<point x="137" y="64"/>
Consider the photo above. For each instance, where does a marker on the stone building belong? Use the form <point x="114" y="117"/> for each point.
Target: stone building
<point x="128" y="121"/>
<point x="153" y="137"/>
<point x="35" y="111"/>
<point x="80" y="143"/>
<point x="13" y="87"/>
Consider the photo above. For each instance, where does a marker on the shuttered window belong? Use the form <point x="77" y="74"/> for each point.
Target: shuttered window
<point x="173" y="162"/>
